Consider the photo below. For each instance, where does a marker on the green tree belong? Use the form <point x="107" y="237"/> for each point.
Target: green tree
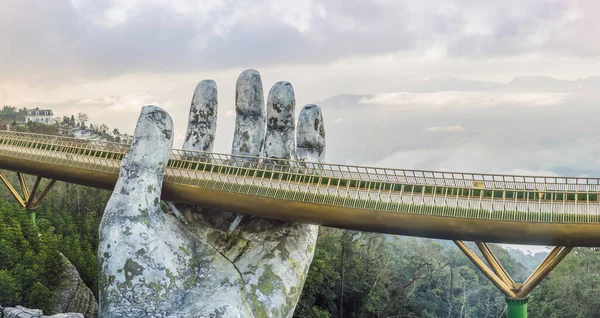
<point x="356" y="274"/>
<point x="10" y="292"/>
<point x="82" y="118"/>
<point x="117" y="134"/>
<point x="39" y="296"/>
<point x="572" y="289"/>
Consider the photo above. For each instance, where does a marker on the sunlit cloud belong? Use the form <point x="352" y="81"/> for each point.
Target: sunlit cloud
<point x="466" y="99"/>
<point x="445" y="128"/>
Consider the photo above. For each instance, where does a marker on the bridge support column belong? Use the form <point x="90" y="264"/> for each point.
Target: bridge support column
<point x="516" y="294"/>
<point x="516" y="308"/>
<point x="27" y="200"/>
<point x="32" y="216"/>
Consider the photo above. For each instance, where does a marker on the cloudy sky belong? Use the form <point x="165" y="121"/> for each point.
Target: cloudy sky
<point x="433" y="84"/>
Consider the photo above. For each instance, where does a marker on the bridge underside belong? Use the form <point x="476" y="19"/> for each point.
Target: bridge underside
<point x="363" y="219"/>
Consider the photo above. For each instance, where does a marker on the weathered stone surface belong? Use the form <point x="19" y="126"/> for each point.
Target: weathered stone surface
<point x="72" y="295"/>
<point x="250" y="115"/>
<point x="279" y="139"/>
<point x="155" y="266"/>
<point x="142" y="255"/>
<point x="310" y="135"/>
<point x="22" y="312"/>
<point x="270" y="261"/>
<point x="150" y="264"/>
<point x="202" y="122"/>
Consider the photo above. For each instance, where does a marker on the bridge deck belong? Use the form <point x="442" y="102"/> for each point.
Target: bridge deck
<point x="493" y="208"/>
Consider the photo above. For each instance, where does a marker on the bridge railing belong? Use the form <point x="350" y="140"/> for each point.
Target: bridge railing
<point x="63" y="151"/>
<point x="182" y="158"/>
<point x="353" y="186"/>
<point x="312" y="182"/>
<point x="63" y="140"/>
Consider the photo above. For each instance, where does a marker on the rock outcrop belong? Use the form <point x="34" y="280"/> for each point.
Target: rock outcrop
<point x="154" y="265"/>
<point x="22" y="312"/>
<point x="72" y="295"/>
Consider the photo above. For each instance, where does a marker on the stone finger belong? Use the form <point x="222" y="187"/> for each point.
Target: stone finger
<point x="310" y="136"/>
<point x="280" y="135"/>
<point x="202" y="121"/>
<point x="250" y="115"/>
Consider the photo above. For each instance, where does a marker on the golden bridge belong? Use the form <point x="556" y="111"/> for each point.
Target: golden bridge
<point x="560" y="211"/>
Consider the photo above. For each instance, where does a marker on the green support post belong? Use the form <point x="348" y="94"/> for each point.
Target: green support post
<point x="516" y="308"/>
<point x="32" y="215"/>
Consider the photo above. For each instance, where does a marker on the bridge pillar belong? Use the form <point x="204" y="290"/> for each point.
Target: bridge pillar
<point x="32" y="216"/>
<point x="27" y="199"/>
<point x="516" y="295"/>
<point x="516" y="308"/>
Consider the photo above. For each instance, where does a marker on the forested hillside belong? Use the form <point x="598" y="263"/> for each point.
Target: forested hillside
<point x="369" y="275"/>
<point x="67" y="222"/>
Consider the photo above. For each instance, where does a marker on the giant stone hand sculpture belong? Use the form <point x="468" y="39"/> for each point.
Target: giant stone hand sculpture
<point x="154" y="265"/>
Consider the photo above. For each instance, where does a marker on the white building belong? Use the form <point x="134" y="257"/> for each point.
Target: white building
<point x="44" y="116"/>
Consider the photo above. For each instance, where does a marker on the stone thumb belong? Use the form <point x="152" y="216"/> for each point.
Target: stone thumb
<point x="140" y="249"/>
<point x="137" y="192"/>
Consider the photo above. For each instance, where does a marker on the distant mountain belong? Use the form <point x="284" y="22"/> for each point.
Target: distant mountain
<point x="439" y="84"/>
<point x="529" y="260"/>
<point x="546" y="83"/>
<point x="342" y="101"/>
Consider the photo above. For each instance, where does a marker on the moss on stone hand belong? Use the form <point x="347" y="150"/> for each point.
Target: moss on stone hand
<point x="268" y="281"/>
<point x="132" y="269"/>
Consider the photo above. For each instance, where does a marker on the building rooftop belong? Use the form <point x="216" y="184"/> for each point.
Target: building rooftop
<point x="39" y="112"/>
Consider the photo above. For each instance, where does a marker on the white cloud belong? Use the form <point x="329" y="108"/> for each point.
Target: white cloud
<point x="116" y="13"/>
<point x="116" y="111"/>
<point x="111" y="37"/>
<point x="530" y="172"/>
<point x="128" y="103"/>
<point x="461" y="99"/>
<point x="296" y="13"/>
<point x="494" y="158"/>
<point x="445" y="128"/>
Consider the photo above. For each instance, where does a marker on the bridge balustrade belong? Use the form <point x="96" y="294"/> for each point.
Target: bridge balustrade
<point x="455" y="194"/>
